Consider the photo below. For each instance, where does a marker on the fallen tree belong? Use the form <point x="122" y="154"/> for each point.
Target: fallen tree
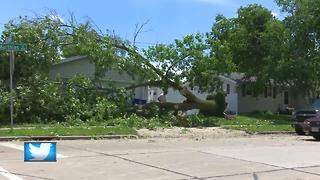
<point x="187" y="61"/>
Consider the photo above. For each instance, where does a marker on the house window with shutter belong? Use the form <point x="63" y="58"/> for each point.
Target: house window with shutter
<point x="286" y="98"/>
<point x="249" y="90"/>
<point x="228" y="88"/>
<point x="243" y="89"/>
<point x="274" y="92"/>
<point x="265" y="92"/>
<point x="269" y="91"/>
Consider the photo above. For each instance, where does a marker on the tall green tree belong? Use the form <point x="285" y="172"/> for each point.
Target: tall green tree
<point x="303" y="24"/>
<point x="254" y="43"/>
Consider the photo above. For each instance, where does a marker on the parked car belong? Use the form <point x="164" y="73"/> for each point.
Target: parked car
<point x="312" y="126"/>
<point x="300" y="116"/>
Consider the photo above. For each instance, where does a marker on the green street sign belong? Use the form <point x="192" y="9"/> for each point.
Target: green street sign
<point x="13" y="47"/>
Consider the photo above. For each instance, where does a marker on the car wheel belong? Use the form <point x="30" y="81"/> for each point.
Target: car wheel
<point x="299" y="130"/>
<point x="317" y="137"/>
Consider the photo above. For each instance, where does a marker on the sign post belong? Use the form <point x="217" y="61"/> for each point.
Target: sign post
<point x="11" y="47"/>
<point x="11" y="86"/>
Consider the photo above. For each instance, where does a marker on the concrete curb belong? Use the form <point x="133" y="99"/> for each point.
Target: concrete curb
<point x="41" y="138"/>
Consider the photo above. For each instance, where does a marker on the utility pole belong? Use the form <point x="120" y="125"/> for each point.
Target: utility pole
<point x="11" y="87"/>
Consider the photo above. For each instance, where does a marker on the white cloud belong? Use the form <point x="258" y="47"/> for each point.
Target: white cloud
<point x="216" y="2"/>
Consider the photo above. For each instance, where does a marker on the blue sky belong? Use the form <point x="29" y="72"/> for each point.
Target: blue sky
<point x="169" y="19"/>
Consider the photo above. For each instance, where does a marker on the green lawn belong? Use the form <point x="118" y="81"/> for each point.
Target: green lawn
<point x="251" y="123"/>
<point x="256" y="123"/>
<point x="68" y="131"/>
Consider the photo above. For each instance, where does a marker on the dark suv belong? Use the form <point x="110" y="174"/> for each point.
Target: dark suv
<point x="300" y="116"/>
<point x="312" y="126"/>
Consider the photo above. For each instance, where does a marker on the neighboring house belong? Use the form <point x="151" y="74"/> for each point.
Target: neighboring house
<point x="272" y="99"/>
<point x="77" y="65"/>
<point x="240" y="97"/>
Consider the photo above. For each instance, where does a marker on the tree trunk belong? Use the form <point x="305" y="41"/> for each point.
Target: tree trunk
<point x="214" y="106"/>
<point x="209" y="107"/>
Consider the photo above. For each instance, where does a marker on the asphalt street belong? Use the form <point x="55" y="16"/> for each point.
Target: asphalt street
<point x="263" y="157"/>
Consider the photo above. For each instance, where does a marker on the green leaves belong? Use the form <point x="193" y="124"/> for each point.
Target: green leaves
<point x="303" y="25"/>
<point x="252" y="43"/>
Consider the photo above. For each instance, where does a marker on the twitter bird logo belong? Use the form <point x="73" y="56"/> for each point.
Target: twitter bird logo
<point x="39" y="151"/>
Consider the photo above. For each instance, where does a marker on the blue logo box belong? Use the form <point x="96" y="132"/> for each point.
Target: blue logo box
<point x="40" y="151"/>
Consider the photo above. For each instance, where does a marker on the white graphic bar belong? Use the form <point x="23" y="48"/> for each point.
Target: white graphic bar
<point x="8" y="175"/>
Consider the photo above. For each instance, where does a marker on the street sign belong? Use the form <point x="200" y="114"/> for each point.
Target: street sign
<point x="13" y="47"/>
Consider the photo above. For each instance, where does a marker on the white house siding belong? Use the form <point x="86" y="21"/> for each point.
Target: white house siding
<point x="73" y="68"/>
<point x="232" y="96"/>
<point x="249" y="103"/>
<point x="232" y="100"/>
<point x="153" y="94"/>
<point x="300" y="101"/>
<point x="141" y="93"/>
<point x="118" y="77"/>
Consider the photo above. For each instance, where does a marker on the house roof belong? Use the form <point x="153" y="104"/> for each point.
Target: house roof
<point x="239" y="77"/>
<point x="70" y="59"/>
<point x="234" y="77"/>
<point x="227" y="79"/>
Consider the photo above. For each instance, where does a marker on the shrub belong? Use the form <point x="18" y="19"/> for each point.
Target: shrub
<point x="4" y="106"/>
<point x="39" y="100"/>
<point x="105" y="109"/>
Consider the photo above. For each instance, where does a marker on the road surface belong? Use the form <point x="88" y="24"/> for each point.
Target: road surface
<point x="260" y="157"/>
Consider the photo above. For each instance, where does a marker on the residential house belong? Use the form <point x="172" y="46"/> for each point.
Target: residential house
<point x="241" y="98"/>
<point x="70" y="67"/>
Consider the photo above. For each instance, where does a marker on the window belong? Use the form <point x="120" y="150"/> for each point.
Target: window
<point x="243" y="90"/>
<point x="249" y="90"/>
<point x="228" y="88"/>
<point x="274" y="92"/>
<point x="266" y="92"/>
<point x="269" y="92"/>
<point x="286" y="97"/>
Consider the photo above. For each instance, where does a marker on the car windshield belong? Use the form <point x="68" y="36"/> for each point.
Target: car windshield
<point x="316" y="104"/>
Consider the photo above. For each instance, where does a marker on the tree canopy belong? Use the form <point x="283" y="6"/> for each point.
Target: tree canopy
<point x="254" y="43"/>
<point x="303" y="25"/>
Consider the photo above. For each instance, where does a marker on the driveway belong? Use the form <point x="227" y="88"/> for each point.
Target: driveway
<point x="262" y="157"/>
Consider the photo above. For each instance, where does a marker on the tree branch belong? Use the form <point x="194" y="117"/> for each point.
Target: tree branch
<point x="138" y="30"/>
<point x="174" y="64"/>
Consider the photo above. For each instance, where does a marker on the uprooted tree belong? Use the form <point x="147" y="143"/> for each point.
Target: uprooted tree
<point x="182" y="65"/>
